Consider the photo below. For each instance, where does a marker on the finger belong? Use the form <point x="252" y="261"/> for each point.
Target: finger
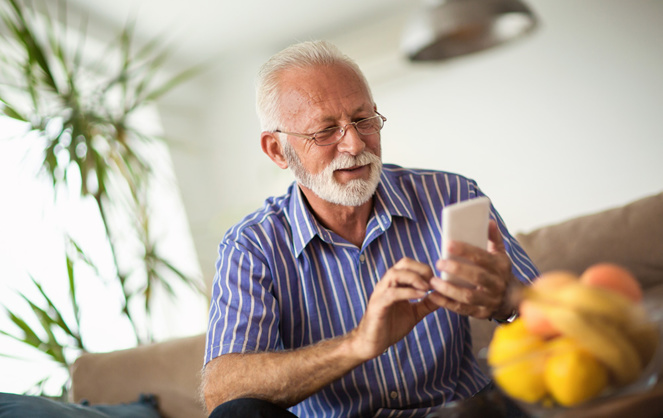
<point x="444" y="301"/>
<point x="470" y="253"/>
<point x="400" y="294"/>
<point x="404" y="278"/>
<point x="494" y="263"/>
<point x="441" y="300"/>
<point x="467" y="271"/>
<point x="422" y="269"/>
<point x="479" y="296"/>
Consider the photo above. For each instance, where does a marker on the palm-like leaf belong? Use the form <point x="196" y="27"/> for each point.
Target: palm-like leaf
<point x="82" y="109"/>
<point x="48" y="315"/>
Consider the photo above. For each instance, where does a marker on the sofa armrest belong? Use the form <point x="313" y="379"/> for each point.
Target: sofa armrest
<point x="169" y="370"/>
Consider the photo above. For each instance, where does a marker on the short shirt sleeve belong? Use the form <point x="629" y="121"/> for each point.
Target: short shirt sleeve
<point x="243" y="313"/>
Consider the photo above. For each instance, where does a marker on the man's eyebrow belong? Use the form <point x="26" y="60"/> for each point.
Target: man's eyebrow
<point x="363" y="108"/>
<point x="360" y="109"/>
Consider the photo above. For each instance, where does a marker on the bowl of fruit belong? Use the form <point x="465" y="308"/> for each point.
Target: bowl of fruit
<point x="579" y="341"/>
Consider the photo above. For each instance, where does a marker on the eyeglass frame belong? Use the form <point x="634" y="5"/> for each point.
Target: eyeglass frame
<point x="311" y="137"/>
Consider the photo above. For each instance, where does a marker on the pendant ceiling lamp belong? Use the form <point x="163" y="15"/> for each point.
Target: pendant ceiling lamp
<point x="442" y="29"/>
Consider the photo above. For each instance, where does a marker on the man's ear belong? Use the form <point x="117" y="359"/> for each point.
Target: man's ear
<point x="271" y="145"/>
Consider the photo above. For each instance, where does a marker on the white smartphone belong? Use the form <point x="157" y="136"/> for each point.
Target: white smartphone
<point x="466" y="221"/>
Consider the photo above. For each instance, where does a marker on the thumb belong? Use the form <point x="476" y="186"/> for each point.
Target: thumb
<point x="495" y="240"/>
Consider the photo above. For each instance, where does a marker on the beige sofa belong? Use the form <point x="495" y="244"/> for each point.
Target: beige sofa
<point x="631" y="235"/>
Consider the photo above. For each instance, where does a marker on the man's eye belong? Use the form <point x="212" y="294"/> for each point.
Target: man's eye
<point x="369" y="123"/>
<point x="364" y="123"/>
<point x="325" y="133"/>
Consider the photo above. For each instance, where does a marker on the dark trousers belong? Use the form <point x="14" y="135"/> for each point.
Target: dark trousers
<point x="250" y="408"/>
<point x="487" y="403"/>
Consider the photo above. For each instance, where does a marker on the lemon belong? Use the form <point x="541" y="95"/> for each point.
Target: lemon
<point x="512" y="341"/>
<point x="523" y="380"/>
<point x="572" y="375"/>
<point x="518" y="359"/>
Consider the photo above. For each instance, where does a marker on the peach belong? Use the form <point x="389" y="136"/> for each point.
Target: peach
<point x="613" y="277"/>
<point x="535" y="320"/>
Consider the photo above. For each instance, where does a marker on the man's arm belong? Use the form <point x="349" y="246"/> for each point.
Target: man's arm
<point x="288" y="377"/>
<point x="282" y="377"/>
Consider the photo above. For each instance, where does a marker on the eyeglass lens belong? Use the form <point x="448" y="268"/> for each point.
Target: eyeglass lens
<point x="366" y="126"/>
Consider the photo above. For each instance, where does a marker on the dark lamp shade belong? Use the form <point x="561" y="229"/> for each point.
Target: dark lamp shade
<point x="444" y="30"/>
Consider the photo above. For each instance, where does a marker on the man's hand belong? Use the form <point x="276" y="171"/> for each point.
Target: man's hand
<point x="489" y="271"/>
<point x="397" y="304"/>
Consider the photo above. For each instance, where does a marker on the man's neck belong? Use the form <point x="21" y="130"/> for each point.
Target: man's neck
<point x="349" y="222"/>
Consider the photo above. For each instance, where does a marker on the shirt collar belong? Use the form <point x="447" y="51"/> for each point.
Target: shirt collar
<point x="390" y="201"/>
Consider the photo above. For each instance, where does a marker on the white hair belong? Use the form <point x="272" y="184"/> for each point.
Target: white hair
<point x="301" y="55"/>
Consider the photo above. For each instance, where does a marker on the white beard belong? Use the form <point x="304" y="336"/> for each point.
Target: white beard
<point x="324" y="185"/>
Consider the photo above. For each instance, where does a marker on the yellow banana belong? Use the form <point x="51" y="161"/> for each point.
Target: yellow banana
<point x="614" y="307"/>
<point x="601" y="338"/>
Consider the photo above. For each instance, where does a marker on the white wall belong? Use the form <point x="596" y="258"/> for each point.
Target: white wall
<point x="562" y="123"/>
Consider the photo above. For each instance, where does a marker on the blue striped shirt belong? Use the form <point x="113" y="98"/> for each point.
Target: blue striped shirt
<point x="284" y="281"/>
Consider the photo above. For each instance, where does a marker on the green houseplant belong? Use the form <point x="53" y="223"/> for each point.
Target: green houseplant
<point x="80" y="110"/>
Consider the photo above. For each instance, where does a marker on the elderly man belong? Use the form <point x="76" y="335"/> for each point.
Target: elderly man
<point x="327" y="301"/>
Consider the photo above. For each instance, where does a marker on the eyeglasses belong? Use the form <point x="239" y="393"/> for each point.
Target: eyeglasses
<point x="333" y="135"/>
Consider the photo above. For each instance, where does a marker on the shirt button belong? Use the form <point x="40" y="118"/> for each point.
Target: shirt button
<point x="362" y="258"/>
<point x="393" y="394"/>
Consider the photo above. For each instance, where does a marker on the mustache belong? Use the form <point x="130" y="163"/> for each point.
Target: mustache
<point x="344" y="161"/>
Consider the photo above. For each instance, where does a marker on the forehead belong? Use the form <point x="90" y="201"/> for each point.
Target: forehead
<point x="326" y="91"/>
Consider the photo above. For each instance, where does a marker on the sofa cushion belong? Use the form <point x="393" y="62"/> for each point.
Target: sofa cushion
<point x="630" y="235"/>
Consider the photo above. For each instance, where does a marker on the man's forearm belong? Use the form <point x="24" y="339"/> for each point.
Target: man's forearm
<point x="284" y="378"/>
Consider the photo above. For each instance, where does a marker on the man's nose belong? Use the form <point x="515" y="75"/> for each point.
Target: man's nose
<point x="351" y="142"/>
